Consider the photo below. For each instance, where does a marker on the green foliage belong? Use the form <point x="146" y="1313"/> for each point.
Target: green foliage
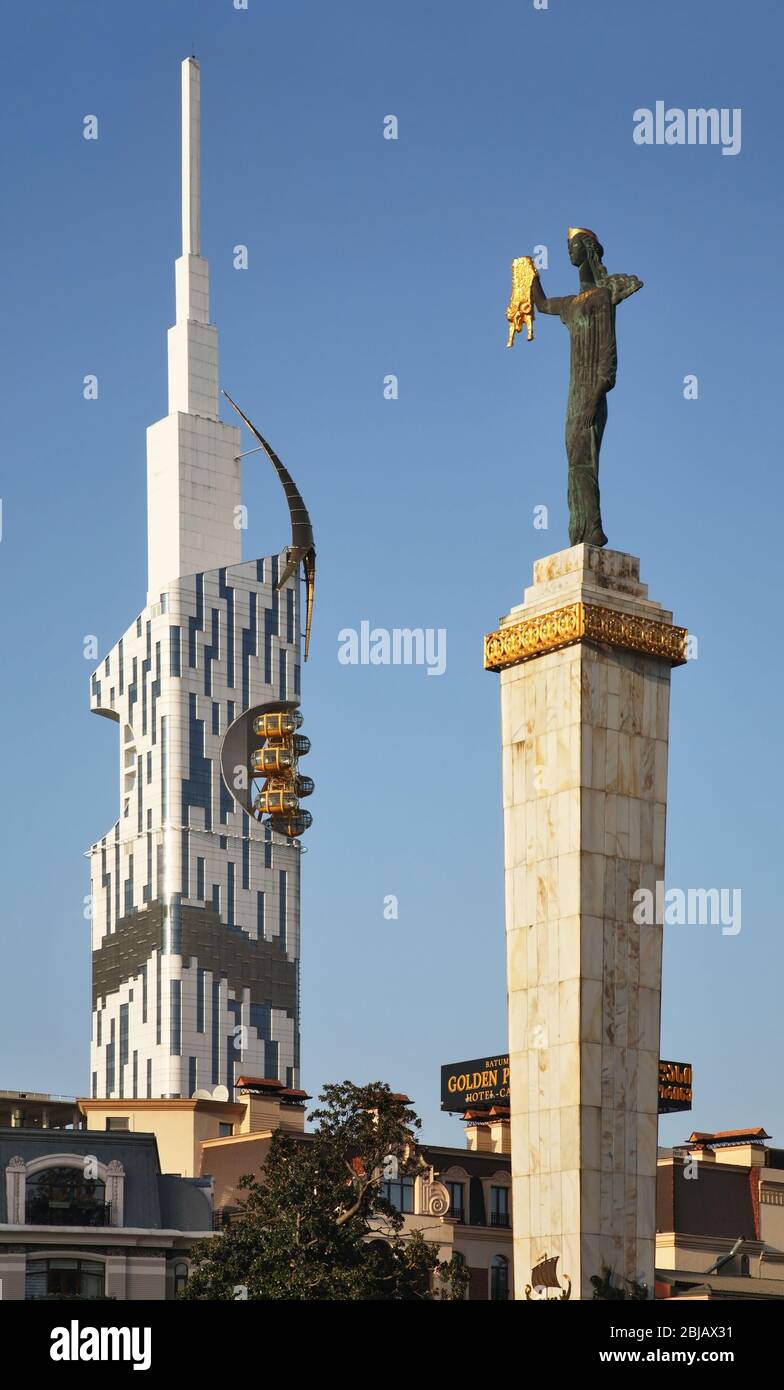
<point x="315" y="1224"/>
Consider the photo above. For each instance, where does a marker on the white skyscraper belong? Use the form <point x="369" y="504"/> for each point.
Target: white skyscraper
<point x="195" y="904"/>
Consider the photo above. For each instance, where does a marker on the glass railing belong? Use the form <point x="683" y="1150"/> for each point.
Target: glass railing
<point x="68" y="1214"/>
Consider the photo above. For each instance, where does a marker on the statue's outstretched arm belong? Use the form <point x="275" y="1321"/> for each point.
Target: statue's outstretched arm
<point x="545" y="305"/>
<point x="621" y="286"/>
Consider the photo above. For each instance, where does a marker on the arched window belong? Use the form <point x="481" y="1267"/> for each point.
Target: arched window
<point x="65" y="1197"/>
<point x="499" y="1278"/>
<point x="180" y="1276"/>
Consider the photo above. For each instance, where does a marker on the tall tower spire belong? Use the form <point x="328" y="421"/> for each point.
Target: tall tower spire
<point x="191" y="157"/>
<point x="193" y="471"/>
<point x="193" y="341"/>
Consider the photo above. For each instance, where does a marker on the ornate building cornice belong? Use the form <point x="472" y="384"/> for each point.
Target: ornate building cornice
<point x="562" y="627"/>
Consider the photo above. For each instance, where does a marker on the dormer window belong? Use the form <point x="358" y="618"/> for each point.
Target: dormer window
<point x="65" y="1197"/>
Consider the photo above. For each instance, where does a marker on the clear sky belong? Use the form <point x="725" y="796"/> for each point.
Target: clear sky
<point x="370" y="257"/>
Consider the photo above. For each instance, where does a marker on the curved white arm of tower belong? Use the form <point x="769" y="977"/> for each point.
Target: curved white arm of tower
<point x="195" y="906"/>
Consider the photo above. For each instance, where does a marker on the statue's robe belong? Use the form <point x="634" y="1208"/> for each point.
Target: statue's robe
<point x="590" y="318"/>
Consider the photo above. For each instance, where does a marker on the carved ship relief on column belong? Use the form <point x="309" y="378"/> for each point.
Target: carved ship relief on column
<point x="544" y="1277"/>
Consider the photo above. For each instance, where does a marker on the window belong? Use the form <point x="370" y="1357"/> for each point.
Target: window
<point x="118" y="1122"/>
<point x="64" y="1278"/>
<point x="124" y="1011"/>
<point x="180" y="1276"/>
<point x="175" y="1017"/>
<point x="499" y="1206"/>
<point x="460" y="1259"/>
<point x="225" y="1130"/>
<point x="399" y="1193"/>
<point x="65" y="1197"/>
<point x="499" y="1277"/>
<point x="456" y="1192"/>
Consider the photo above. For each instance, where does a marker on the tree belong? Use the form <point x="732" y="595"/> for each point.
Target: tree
<point x="316" y="1224"/>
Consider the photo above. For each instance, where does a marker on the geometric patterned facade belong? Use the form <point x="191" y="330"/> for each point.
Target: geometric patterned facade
<point x="195" y="905"/>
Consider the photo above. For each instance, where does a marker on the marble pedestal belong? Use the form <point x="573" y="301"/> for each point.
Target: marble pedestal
<point x="585" y="679"/>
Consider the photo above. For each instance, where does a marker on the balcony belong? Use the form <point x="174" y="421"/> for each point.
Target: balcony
<point x="75" y="1213"/>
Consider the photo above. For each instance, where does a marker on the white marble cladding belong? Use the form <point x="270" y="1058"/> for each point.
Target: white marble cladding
<point x="211" y="646"/>
<point x="590" y="575"/>
<point x="584" y="732"/>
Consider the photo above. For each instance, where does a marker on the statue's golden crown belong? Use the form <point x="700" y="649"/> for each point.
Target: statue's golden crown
<point x="576" y="231"/>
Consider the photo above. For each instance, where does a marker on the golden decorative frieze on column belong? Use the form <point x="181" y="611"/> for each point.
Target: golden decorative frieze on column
<point x="563" y="626"/>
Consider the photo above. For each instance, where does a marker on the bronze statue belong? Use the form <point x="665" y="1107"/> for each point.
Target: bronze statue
<point x="607" y="1292"/>
<point x="590" y="318"/>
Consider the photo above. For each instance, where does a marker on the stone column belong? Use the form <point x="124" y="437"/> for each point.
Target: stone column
<point x="585" y="677"/>
<point x="15" y="1183"/>
<point x="115" y="1191"/>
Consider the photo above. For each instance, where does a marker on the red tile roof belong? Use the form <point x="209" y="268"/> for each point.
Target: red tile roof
<point x="725" y="1136"/>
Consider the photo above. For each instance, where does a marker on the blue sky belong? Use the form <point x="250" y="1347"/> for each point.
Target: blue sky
<point x="370" y="257"/>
